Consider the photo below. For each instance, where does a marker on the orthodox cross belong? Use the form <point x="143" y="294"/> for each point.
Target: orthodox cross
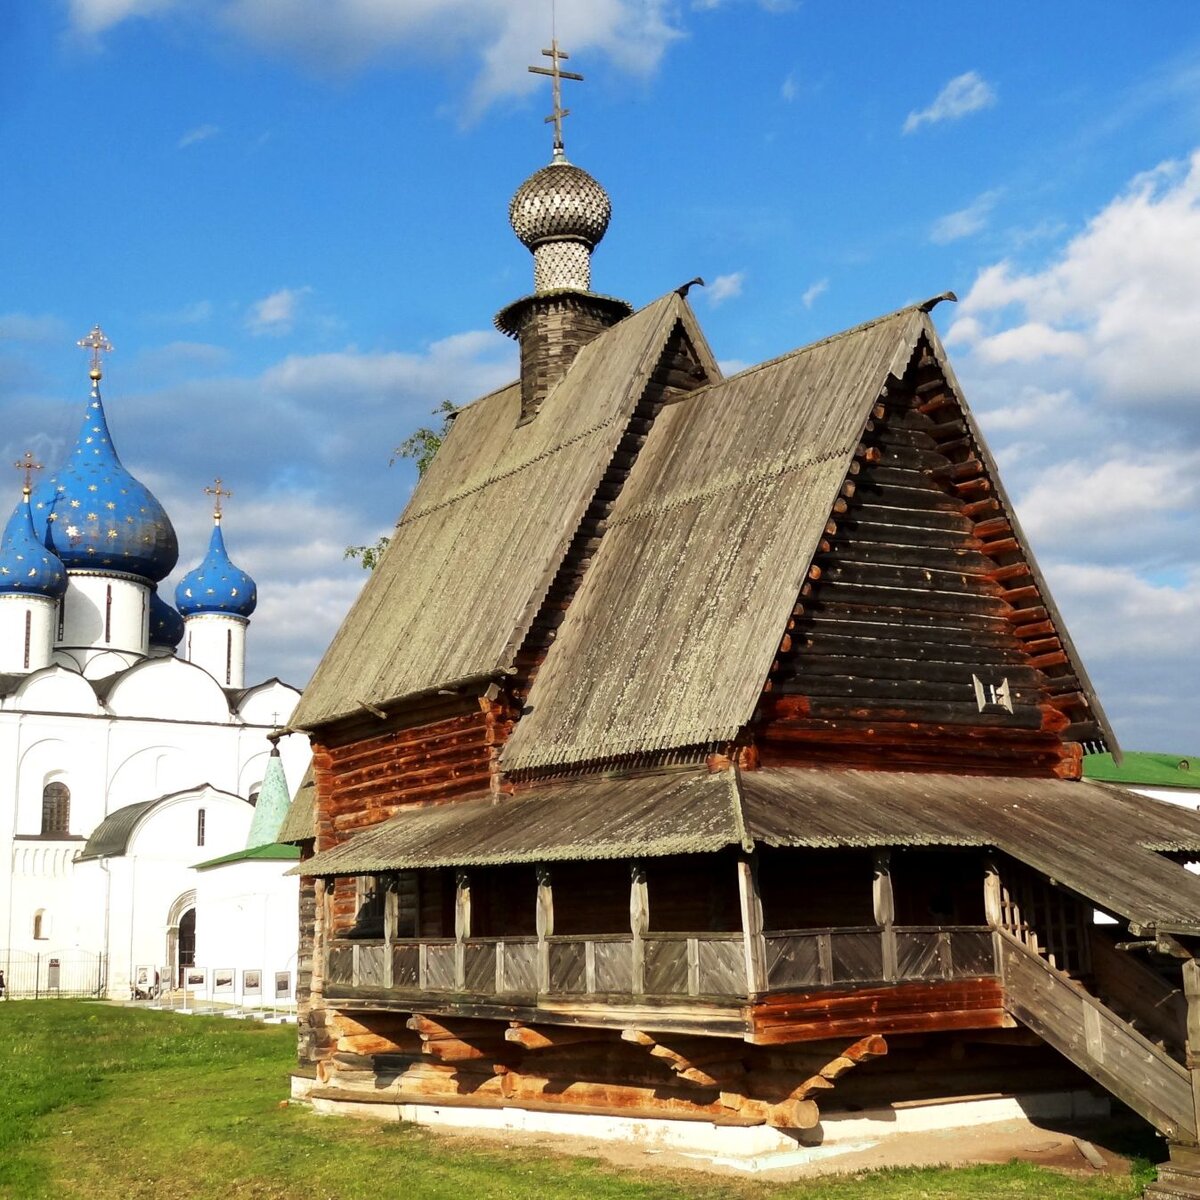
<point x="28" y="466"/>
<point x="557" y="75"/>
<point x="98" y="344"/>
<point x="216" y="491"/>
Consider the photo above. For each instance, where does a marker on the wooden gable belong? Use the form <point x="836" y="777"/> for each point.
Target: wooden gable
<point x="924" y="637"/>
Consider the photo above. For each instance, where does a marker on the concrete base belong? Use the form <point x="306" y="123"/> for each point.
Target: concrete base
<point x="748" y="1148"/>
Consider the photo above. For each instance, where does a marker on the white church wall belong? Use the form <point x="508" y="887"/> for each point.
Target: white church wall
<point x="156" y="869"/>
<point x="27" y="626"/>
<point x="58" y="690"/>
<point x="169" y="689"/>
<point x="105" y="612"/>
<point x="270" y="703"/>
<point x="246" y="919"/>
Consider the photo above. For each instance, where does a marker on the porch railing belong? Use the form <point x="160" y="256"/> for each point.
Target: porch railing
<point x="660" y="964"/>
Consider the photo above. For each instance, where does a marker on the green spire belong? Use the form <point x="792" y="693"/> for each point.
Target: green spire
<point x="273" y="802"/>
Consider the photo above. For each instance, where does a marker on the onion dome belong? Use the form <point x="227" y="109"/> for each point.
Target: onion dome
<point x="166" y="625"/>
<point x="97" y="517"/>
<point x="216" y="585"/>
<point x="561" y="202"/>
<point x="27" y="568"/>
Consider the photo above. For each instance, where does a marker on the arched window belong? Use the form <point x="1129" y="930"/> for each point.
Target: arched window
<point x="41" y="925"/>
<point x="56" y="809"/>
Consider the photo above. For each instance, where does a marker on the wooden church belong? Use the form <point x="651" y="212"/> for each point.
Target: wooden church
<point x="710" y="747"/>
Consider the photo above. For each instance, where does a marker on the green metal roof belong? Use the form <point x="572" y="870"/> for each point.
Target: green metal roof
<point x="254" y="854"/>
<point x="1145" y="769"/>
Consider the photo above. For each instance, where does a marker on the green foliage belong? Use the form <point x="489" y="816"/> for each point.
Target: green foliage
<point x="111" y="1103"/>
<point x="421" y="446"/>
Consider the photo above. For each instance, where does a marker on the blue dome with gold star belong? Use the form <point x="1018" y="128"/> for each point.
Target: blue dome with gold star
<point x="96" y="516"/>
<point x="27" y="568"/>
<point x="216" y="585"/>
<point x="166" y="625"/>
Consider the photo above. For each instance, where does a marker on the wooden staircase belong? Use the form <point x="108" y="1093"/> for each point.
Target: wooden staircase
<point x="1100" y="1041"/>
<point x="1178" y="1177"/>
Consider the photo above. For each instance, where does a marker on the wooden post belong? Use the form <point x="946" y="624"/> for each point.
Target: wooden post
<point x="992" y="898"/>
<point x="752" y="925"/>
<point x="884" y="904"/>
<point x="462" y="928"/>
<point x="639" y="923"/>
<point x="320" y="947"/>
<point x="391" y="917"/>
<point x="545" y="926"/>
<point x="1191" y="989"/>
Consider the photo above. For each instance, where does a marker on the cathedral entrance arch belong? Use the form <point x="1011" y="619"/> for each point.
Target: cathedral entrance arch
<point x="181" y="936"/>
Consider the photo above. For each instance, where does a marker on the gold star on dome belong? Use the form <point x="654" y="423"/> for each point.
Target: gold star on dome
<point x="74" y="503"/>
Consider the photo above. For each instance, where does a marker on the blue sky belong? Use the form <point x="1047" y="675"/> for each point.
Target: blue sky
<point x="290" y="218"/>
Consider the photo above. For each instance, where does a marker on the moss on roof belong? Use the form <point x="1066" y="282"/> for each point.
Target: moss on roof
<point x="1145" y="769"/>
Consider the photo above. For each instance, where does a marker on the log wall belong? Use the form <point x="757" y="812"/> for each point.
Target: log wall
<point x="438" y="753"/>
<point x="920" y="625"/>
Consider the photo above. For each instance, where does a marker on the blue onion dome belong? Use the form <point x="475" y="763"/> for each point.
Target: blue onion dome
<point x="216" y="585"/>
<point x="26" y="566"/>
<point x="166" y="625"/>
<point x="97" y="516"/>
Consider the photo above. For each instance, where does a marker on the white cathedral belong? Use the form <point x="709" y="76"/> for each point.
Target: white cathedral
<point x="125" y="764"/>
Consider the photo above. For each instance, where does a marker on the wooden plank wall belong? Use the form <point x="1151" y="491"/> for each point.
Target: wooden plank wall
<point x="919" y="587"/>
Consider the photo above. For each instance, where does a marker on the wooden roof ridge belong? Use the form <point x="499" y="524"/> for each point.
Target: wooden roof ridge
<point x="1026" y="548"/>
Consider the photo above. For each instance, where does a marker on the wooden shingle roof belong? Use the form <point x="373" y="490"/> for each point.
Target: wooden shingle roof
<point x="1063" y="829"/>
<point x="670" y="638"/>
<point x="479" y="543"/>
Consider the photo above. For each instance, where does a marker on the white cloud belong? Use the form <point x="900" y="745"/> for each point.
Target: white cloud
<point x="23" y="327"/>
<point x="964" y="94"/>
<point x="1122" y="299"/>
<point x="200" y="134"/>
<point x="275" y="314"/>
<point x="813" y="293"/>
<point x="343" y="35"/>
<point x="965" y="221"/>
<point x="788" y="90"/>
<point x="91" y="17"/>
<point x="1082" y="370"/>
<point x="725" y="287"/>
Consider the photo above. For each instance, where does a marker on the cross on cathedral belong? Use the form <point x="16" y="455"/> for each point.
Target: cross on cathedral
<point x="217" y="492"/>
<point x="28" y="466"/>
<point x="98" y="344"/>
<point x="557" y="75"/>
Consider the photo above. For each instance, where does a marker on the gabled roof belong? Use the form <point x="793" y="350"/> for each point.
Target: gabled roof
<point x="111" y="838"/>
<point x="488" y="525"/>
<point x="669" y="639"/>
<point x="1102" y="842"/>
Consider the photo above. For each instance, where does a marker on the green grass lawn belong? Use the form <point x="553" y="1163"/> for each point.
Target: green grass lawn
<point x="104" y="1102"/>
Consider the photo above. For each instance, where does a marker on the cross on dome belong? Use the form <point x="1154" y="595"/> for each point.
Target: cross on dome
<point x="557" y="75"/>
<point x="217" y="492"/>
<point x="27" y="466"/>
<point x="98" y="344"/>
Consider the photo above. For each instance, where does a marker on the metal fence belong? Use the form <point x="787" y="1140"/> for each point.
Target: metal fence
<point x="58" y="973"/>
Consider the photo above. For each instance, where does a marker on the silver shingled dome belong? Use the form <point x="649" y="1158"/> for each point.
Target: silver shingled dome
<point x="560" y="201"/>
